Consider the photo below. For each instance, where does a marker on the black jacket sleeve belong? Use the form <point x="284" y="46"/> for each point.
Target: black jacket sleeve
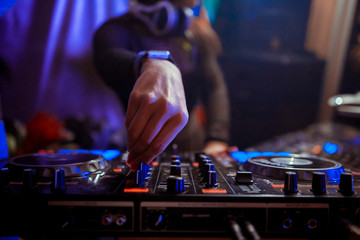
<point x="112" y="59"/>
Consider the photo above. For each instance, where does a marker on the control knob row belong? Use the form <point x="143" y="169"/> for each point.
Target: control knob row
<point x="346" y="185"/>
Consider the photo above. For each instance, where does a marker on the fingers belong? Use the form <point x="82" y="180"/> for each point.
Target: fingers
<point x="149" y="129"/>
<point x="166" y="134"/>
<point x="133" y="105"/>
<point x="138" y="123"/>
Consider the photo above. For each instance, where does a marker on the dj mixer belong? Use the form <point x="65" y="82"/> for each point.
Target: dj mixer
<point x="82" y="194"/>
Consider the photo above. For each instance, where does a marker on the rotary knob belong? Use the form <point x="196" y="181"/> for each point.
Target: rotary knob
<point x="290" y="185"/>
<point x="29" y="180"/>
<point x="144" y="167"/>
<point x="212" y="179"/>
<point x="175" y="170"/>
<point x="207" y="167"/>
<point x="175" y="184"/>
<point x="58" y="185"/>
<point x="139" y="178"/>
<point x="346" y="185"/>
<point x="4" y="179"/>
<point x="318" y="183"/>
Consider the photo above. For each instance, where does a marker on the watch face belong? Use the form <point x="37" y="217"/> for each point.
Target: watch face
<point x="158" y="54"/>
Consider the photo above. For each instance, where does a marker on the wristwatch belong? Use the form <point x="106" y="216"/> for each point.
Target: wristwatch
<point x="152" y="54"/>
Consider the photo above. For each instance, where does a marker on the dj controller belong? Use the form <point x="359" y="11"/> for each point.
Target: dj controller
<point x="82" y="194"/>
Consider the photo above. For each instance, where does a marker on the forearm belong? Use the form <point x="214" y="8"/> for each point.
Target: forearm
<point x="216" y="104"/>
<point x="113" y="61"/>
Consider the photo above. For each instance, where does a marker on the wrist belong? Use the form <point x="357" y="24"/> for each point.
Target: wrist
<point x="151" y="54"/>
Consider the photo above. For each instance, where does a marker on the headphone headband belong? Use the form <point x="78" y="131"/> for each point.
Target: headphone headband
<point x="162" y="18"/>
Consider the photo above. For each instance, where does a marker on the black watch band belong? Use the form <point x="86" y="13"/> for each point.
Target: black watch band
<point x="153" y="54"/>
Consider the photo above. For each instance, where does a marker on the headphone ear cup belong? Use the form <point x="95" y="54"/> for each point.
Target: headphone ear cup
<point x="182" y="22"/>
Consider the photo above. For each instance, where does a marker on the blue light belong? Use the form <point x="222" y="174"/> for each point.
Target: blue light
<point x="110" y="154"/>
<point x="65" y="151"/>
<point x="77" y="170"/>
<point x="242" y="157"/>
<point x="283" y="153"/>
<point x="268" y="154"/>
<point x="330" y="148"/>
<point x="3" y="144"/>
<point x="82" y="151"/>
<point x="239" y="156"/>
<point x="96" y="152"/>
<point x="2" y="164"/>
<point x="252" y="154"/>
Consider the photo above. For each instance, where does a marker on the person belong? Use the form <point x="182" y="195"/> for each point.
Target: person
<point x="161" y="90"/>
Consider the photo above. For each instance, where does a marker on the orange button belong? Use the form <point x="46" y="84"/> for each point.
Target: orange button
<point x="216" y="191"/>
<point x="136" y="190"/>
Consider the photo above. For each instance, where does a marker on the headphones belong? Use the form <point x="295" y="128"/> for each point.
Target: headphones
<point x="162" y="18"/>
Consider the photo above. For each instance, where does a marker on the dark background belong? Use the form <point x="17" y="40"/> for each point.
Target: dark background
<point x="274" y="84"/>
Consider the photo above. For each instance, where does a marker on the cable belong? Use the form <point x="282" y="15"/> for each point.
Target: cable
<point x="251" y="230"/>
<point x="236" y="230"/>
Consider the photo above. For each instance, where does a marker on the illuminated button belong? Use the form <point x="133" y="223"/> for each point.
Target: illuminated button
<point x="214" y="191"/>
<point x="136" y="190"/>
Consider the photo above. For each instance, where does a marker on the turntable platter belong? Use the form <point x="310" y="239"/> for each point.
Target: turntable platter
<point x="275" y="167"/>
<point x="45" y="164"/>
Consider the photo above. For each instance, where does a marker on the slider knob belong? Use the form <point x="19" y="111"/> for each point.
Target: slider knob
<point x="318" y="183"/>
<point x="346" y="185"/>
<point x="290" y="185"/>
<point x="244" y="177"/>
<point x="175" y="184"/>
<point x="59" y="181"/>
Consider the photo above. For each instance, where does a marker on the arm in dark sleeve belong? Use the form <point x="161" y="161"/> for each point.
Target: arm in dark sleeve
<point x="216" y="101"/>
<point x="113" y="60"/>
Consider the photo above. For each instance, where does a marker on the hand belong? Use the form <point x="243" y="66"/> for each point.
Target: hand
<point x="215" y="147"/>
<point x="156" y="112"/>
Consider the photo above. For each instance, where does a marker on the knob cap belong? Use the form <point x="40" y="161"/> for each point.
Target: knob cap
<point x="144" y="167"/>
<point x="175" y="170"/>
<point x="4" y="179"/>
<point x="59" y="181"/>
<point x="203" y="162"/>
<point x="290" y="185"/>
<point x="346" y="185"/>
<point x="199" y="157"/>
<point x="29" y="180"/>
<point x="207" y="167"/>
<point x="318" y="183"/>
<point x="140" y="178"/>
<point x="212" y="181"/>
<point x="175" y="184"/>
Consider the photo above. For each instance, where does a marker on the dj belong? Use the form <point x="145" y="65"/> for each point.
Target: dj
<point x="162" y="62"/>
